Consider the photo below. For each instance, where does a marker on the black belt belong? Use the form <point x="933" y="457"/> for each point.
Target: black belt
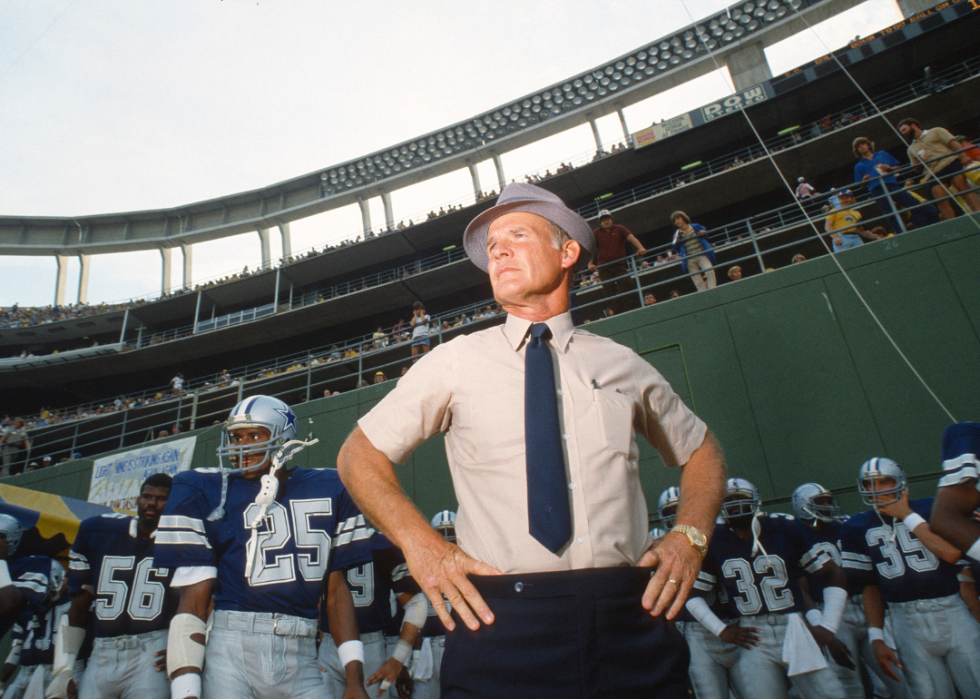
<point x="591" y="582"/>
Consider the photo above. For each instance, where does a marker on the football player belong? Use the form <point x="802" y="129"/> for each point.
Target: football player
<point x="32" y="648"/>
<point x="712" y="657"/>
<point x="820" y="523"/>
<point x="427" y="661"/>
<point x="25" y="582"/>
<point x="112" y="571"/>
<point x="756" y="558"/>
<point x="264" y="541"/>
<point x="372" y="585"/>
<point x="899" y="560"/>
<point x="958" y="496"/>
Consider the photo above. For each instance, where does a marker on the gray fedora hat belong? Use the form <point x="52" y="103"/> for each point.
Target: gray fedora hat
<point x="519" y="196"/>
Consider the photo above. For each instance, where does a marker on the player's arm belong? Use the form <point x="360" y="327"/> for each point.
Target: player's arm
<point x="416" y="609"/>
<point x="697" y="606"/>
<point x="346" y="635"/>
<point x="952" y="516"/>
<point x="874" y="610"/>
<point x="823" y="624"/>
<point x="68" y="640"/>
<point x="968" y="592"/>
<point x="702" y="489"/>
<point x="186" y="639"/>
<point x="439" y="567"/>
<point x="917" y="524"/>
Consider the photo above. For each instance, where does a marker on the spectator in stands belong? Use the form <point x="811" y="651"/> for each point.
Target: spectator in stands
<point x="935" y="150"/>
<point x="692" y="246"/>
<point x="874" y="168"/>
<point x="14" y="441"/>
<point x="611" y="239"/>
<point x="178" y="383"/>
<point x="798" y="258"/>
<point x="420" y="329"/>
<point x="735" y="273"/>
<point x="380" y="377"/>
<point x="649" y="299"/>
<point x="804" y="190"/>
<point x="842" y="224"/>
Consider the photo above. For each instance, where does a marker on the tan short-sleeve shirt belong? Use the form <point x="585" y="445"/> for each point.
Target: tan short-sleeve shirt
<point x="932" y="144"/>
<point x="473" y="389"/>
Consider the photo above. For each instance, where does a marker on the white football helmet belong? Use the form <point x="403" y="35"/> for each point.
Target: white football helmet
<point x="806" y="508"/>
<point x="877" y="469"/>
<point x="445" y="524"/>
<point x="257" y="411"/>
<point x="11" y="529"/>
<point x="57" y="578"/>
<point x="669" y="498"/>
<point x="748" y="502"/>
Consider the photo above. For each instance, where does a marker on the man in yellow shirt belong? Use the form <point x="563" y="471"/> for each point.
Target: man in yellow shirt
<point x="843" y="227"/>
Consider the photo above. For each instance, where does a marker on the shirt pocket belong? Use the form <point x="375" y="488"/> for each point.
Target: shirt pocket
<point x="615" y="419"/>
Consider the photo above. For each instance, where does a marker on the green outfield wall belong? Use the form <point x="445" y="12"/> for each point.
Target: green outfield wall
<point x="788" y="369"/>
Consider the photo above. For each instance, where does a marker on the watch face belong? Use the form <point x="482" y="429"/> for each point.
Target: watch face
<point x="698" y="537"/>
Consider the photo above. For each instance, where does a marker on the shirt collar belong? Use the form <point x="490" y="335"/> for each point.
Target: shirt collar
<point x="516" y="330"/>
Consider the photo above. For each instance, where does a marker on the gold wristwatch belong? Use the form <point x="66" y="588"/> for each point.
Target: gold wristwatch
<point x="694" y="535"/>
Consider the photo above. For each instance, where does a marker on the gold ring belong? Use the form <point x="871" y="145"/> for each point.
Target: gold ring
<point x="672" y="582"/>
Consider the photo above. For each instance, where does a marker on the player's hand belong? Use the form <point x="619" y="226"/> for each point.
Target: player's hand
<point x="441" y="569"/>
<point x="160" y="661"/>
<point x="386" y="675"/>
<point x="677" y="565"/>
<point x="72" y="690"/>
<point x="744" y="636"/>
<point x="591" y="267"/>
<point x="886" y="659"/>
<point x="404" y="684"/>
<point x="838" y="651"/>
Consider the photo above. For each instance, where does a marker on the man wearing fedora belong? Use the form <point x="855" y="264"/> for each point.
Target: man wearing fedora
<point x="558" y="585"/>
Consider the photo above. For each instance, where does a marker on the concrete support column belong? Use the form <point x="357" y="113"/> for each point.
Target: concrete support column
<point x="188" y="251"/>
<point x="389" y="212"/>
<point x="287" y="240"/>
<point x="748" y="66"/>
<point x="595" y="133"/>
<point x="166" y="258"/>
<point x="365" y="214"/>
<point x="84" y="262"/>
<point x="61" y="281"/>
<point x="266" y="247"/>
<point x="622" y="122"/>
<point x="501" y="180"/>
<point x="474" y="173"/>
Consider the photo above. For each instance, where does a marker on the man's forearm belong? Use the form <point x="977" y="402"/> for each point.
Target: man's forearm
<point x="951" y="514"/>
<point x="370" y="478"/>
<point x="702" y="486"/>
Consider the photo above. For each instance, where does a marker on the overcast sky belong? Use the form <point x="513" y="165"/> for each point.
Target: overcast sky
<point x="115" y="105"/>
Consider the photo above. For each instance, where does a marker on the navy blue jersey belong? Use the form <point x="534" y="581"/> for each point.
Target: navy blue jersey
<point x="763" y="582"/>
<point x="820" y="545"/>
<point x="31" y="575"/>
<point x="373" y="583"/>
<point x="38" y="630"/>
<point x="132" y="594"/>
<point x="305" y="533"/>
<point x="881" y="551"/>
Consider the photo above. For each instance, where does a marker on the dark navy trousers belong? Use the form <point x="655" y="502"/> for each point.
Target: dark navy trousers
<point x="579" y="634"/>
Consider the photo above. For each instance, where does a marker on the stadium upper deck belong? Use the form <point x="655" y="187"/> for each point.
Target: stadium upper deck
<point x="883" y="64"/>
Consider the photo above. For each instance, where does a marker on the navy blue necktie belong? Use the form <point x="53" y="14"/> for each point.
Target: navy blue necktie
<point x="548" y="513"/>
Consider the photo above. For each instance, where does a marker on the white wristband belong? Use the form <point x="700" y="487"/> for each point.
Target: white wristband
<point x="349" y="651"/>
<point x="402" y="651"/>
<point x="5" y="575"/>
<point x="699" y="610"/>
<point x="814" y="617"/>
<point x="974" y="551"/>
<point x="913" y="520"/>
<point x="834" y="602"/>
<point x="185" y="686"/>
<point x="875" y="634"/>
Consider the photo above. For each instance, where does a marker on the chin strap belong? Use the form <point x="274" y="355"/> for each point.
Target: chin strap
<point x="756" y="530"/>
<point x="267" y="495"/>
